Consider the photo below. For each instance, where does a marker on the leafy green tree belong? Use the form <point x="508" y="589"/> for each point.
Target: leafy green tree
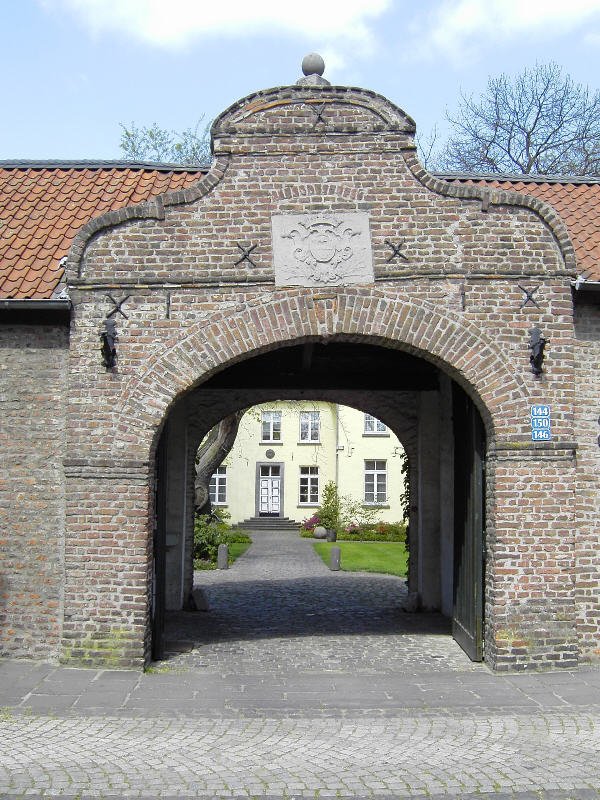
<point x="190" y="148"/>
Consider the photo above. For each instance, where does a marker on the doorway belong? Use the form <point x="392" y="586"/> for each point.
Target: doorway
<point x="447" y="541"/>
<point x="269" y="490"/>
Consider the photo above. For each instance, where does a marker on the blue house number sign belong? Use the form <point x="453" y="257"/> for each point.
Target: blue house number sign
<point x="541" y="430"/>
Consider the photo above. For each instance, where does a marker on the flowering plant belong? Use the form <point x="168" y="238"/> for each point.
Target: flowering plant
<point x="311" y="523"/>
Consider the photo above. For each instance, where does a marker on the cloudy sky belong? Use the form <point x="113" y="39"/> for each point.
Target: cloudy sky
<point x="73" y="70"/>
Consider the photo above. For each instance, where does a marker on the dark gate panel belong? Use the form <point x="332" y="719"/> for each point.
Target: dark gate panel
<point x="159" y="562"/>
<point x="469" y="509"/>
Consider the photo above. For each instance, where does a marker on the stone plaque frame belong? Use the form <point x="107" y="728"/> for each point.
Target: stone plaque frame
<point x="322" y="249"/>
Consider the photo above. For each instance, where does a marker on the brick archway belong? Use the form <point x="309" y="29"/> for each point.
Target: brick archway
<point x="122" y="494"/>
<point x="440" y="336"/>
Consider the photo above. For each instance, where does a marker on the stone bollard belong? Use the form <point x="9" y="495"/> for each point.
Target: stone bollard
<point x="335" y="558"/>
<point x="199" y="599"/>
<point x="223" y="557"/>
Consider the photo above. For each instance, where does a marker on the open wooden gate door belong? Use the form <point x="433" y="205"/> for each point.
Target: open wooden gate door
<point x="159" y="547"/>
<point x="469" y="521"/>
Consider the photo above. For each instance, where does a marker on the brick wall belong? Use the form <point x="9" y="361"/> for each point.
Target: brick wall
<point x="107" y="563"/>
<point x="33" y="361"/>
<point x="531" y="561"/>
<point x="195" y="304"/>
<point x="587" y="425"/>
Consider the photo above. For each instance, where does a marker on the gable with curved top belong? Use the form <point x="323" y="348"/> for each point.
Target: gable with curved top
<point x="312" y="110"/>
<point x="330" y="137"/>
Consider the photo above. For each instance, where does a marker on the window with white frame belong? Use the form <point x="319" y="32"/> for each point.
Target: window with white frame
<point x="310" y="426"/>
<point x="375" y="482"/>
<point x="373" y="425"/>
<point x="217" y="487"/>
<point x="271" y="426"/>
<point x="309" y="486"/>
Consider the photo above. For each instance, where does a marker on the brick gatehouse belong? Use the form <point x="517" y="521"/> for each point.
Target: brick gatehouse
<point x="315" y="258"/>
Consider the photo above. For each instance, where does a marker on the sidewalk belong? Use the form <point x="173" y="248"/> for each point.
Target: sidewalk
<point x="300" y="683"/>
<point x="174" y="692"/>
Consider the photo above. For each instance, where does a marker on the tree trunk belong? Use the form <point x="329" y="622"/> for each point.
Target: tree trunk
<point x="211" y="454"/>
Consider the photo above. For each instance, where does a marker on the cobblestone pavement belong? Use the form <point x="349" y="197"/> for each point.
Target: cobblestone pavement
<point x="300" y="683"/>
<point x="403" y="758"/>
<point x="282" y="604"/>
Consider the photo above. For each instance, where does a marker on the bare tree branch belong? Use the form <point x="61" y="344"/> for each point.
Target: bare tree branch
<point x="427" y="145"/>
<point x="539" y="122"/>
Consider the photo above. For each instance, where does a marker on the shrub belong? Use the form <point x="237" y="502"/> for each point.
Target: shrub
<point x="211" y="530"/>
<point x="329" y="510"/>
<point x="380" y="532"/>
<point x="355" y="515"/>
<point x="307" y="528"/>
<point x="352" y="520"/>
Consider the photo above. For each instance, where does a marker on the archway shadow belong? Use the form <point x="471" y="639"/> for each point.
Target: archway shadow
<point x="329" y="606"/>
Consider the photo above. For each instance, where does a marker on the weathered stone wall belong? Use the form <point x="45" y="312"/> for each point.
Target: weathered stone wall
<point x="197" y="269"/>
<point x="33" y="368"/>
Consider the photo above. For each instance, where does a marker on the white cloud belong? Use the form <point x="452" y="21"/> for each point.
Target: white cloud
<point x="461" y="29"/>
<point x="176" y="23"/>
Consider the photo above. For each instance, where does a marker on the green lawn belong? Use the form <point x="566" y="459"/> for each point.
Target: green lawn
<point x="387" y="557"/>
<point x="237" y="549"/>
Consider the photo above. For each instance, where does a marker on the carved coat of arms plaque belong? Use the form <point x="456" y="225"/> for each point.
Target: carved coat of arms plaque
<point x="322" y="249"/>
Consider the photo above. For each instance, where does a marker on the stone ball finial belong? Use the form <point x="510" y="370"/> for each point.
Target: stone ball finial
<point x="313" y="64"/>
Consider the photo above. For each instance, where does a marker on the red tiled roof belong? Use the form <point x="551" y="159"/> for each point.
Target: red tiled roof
<point x="42" y="207"/>
<point x="577" y="202"/>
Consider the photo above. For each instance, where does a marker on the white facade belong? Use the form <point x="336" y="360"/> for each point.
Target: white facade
<point x="286" y="451"/>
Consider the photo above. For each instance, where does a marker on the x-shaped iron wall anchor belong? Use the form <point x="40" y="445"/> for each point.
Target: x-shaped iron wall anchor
<point x="319" y="114"/>
<point x="396" y="248"/>
<point x="529" y="298"/>
<point x="246" y="251"/>
<point x="117" y="306"/>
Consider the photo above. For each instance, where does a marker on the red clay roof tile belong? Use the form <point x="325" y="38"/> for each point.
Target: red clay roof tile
<point x="42" y="208"/>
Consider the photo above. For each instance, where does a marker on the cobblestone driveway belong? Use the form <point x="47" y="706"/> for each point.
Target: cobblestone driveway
<point x="300" y="683"/>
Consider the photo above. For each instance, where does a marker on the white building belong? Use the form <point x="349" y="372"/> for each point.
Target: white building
<point x="286" y="451"/>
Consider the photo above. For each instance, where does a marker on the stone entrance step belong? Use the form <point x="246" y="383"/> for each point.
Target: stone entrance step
<point x="267" y="524"/>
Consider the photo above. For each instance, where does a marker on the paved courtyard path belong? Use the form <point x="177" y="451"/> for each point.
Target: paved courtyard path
<point x="281" y="606"/>
<point x="300" y="683"/>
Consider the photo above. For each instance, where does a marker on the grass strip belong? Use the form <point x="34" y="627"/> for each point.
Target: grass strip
<point x="389" y="558"/>
<point x="237" y="549"/>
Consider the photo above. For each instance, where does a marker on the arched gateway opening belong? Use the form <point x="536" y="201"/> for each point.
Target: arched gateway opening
<point x="310" y="234"/>
<point x="435" y="419"/>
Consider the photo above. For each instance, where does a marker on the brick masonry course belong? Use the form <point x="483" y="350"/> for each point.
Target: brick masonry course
<point x="33" y="364"/>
